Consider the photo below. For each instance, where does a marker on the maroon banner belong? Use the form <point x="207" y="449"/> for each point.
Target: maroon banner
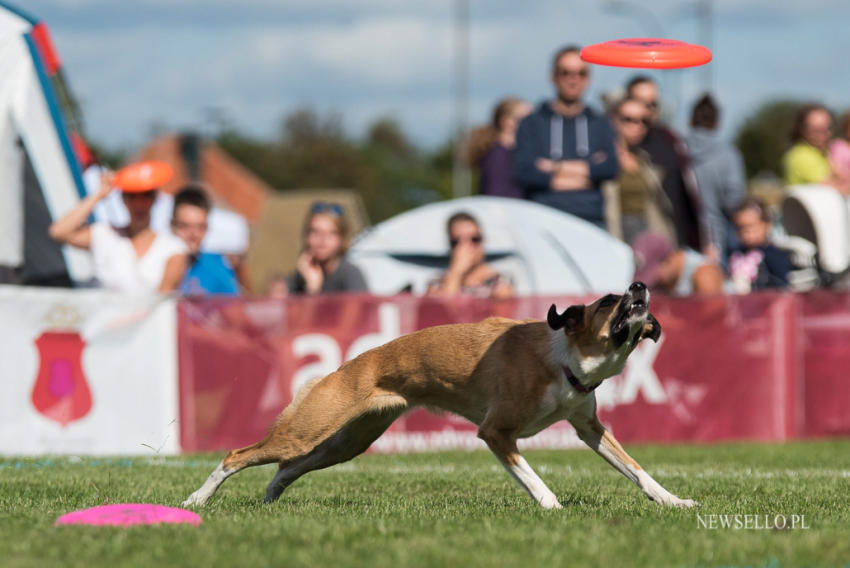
<point x="726" y="368"/>
<point x="825" y="329"/>
<point x="241" y="362"/>
<point x="720" y="371"/>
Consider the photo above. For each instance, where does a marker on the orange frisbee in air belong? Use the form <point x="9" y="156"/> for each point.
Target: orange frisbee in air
<point x="648" y="53"/>
<point x="142" y="176"/>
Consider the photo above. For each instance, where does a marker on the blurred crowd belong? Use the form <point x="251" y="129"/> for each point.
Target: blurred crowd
<point x="115" y="223"/>
<point x="680" y="200"/>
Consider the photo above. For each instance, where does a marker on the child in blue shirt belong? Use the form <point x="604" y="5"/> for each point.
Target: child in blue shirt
<point x="207" y="273"/>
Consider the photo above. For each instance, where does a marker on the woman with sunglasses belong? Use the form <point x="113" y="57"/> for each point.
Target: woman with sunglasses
<point x="468" y="273"/>
<point x="132" y="258"/>
<point x="321" y="267"/>
<point x="635" y="201"/>
<point x="668" y="152"/>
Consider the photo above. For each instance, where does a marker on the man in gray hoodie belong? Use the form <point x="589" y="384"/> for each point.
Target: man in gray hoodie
<point x="719" y="170"/>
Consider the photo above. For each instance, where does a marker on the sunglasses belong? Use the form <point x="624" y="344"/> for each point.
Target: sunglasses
<point x="633" y="120"/>
<point x="474" y="239"/>
<point x="582" y="73"/>
<point x="322" y="207"/>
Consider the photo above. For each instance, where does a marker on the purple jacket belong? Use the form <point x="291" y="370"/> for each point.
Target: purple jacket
<point x="497" y="173"/>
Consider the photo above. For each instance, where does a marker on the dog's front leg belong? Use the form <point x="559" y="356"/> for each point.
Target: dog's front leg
<point x="592" y="433"/>
<point x="504" y="447"/>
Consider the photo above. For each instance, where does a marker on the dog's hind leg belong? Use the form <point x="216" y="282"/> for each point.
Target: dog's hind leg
<point x="263" y="452"/>
<point x="351" y="440"/>
<point x="297" y="456"/>
<point x="331" y="420"/>
<point x="503" y="445"/>
<point x="234" y="462"/>
<point x="202" y="495"/>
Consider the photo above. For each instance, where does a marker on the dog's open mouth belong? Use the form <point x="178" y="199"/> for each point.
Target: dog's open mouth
<point x="629" y="312"/>
<point x="637" y="308"/>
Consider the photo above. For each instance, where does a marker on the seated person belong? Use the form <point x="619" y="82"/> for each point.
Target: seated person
<point x="468" y="273"/>
<point x="208" y="273"/>
<point x="322" y="267"/>
<point x="756" y="264"/>
<point x="678" y="272"/>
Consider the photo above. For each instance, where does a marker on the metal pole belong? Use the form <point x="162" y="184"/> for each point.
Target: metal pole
<point x="705" y="10"/>
<point x="460" y="173"/>
<point x="645" y="18"/>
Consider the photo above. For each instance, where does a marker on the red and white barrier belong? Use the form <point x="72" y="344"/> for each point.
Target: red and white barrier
<point x="759" y="367"/>
<point x="88" y="372"/>
<point x="93" y="372"/>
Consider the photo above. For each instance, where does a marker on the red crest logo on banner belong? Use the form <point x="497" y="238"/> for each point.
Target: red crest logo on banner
<point x="61" y="392"/>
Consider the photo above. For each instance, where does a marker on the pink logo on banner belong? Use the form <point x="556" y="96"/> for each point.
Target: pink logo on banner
<point x="61" y="392"/>
<point x="129" y="514"/>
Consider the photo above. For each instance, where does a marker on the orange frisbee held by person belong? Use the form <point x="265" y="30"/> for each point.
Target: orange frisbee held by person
<point x="142" y="176"/>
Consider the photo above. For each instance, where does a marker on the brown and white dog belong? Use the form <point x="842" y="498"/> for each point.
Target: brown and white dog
<point x="511" y="378"/>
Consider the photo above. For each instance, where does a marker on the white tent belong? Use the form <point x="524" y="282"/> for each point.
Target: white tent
<point x="39" y="174"/>
<point x="544" y="250"/>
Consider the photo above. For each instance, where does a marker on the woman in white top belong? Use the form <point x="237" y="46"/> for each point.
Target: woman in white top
<point x="127" y="259"/>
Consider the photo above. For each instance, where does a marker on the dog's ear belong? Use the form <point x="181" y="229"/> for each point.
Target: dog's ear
<point x="651" y="329"/>
<point x="572" y="320"/>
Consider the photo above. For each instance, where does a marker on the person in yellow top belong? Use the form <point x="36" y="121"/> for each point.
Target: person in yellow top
<point x="806" y="161"/>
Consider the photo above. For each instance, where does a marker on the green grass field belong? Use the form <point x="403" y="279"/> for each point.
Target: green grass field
<point x="448" y="509"/>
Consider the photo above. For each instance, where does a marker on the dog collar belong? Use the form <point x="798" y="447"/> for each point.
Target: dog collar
<point x="571" y="378"/>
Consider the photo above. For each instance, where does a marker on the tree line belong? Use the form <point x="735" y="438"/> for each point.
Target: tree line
<point x="392" y="174"/>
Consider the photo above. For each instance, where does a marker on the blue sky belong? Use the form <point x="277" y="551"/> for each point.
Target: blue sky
<point x="137" y="63"/>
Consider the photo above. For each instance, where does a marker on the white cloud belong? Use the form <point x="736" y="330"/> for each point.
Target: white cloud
<point x="133" y="62"/>
<point x="381" y="51"/>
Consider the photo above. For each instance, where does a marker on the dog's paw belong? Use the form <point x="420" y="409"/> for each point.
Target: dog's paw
<point x="670" y="500"/>
<point x="550" y="502"/>
<point x="194" y="500"/>
<point x="684" y="503"/>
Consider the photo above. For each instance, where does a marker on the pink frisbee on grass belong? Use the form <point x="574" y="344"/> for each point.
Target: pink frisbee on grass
<point x="129" y="514"/>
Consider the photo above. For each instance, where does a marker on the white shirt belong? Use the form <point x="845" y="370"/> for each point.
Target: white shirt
<point x="117" y="267"/>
